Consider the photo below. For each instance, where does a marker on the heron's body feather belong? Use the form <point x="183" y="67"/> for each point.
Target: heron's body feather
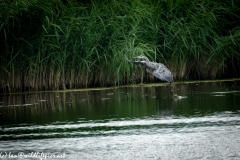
<point x="159" y="70"/>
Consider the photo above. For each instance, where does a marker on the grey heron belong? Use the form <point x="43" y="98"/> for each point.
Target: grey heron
<point x="159" y="70"/>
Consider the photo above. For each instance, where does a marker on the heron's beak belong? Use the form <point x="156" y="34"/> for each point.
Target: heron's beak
<point x="138" y="57"/>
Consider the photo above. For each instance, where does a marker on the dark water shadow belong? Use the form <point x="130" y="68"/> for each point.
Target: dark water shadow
<point x="123" y="103"/>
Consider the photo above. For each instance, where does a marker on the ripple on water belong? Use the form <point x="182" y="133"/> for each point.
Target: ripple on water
<point x="202" y="142"/>
<point x="212" y="132"/>
<point x="150" y="125"/>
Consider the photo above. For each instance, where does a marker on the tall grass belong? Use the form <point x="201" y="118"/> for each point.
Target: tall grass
<point x="193" y="32"/>
<point x="67" y="44"/>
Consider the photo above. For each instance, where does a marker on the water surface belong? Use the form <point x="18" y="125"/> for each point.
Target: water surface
<point x="203" y="122"/>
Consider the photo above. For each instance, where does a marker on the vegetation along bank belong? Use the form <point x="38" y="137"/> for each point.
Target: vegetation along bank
<point x="66" y="44"/>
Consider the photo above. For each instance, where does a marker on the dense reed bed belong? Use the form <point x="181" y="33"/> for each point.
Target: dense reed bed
<point x="56" y="44"/>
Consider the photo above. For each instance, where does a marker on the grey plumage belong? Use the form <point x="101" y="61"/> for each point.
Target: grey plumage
<point x="159" y="70"/>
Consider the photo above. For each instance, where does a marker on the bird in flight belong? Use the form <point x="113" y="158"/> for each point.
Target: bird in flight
<point x="159" y="70"/>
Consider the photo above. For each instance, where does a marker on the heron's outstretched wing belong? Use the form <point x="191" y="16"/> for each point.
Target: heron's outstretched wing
<point x="163" y="76"/>
<point x="163" y="73"/>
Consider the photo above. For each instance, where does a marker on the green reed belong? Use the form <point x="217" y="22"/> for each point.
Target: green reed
<point x="62" y="45"/>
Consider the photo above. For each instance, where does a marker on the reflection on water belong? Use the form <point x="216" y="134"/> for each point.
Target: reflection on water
<point x="203" y="122"/>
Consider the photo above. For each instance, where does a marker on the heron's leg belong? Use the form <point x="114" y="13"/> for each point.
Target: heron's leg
<point x="148" y="70"/>
<point x="172" y="87"/>
<point x="142" y="77"/>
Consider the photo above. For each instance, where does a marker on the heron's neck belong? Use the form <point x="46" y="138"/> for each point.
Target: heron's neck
<point x="146" y="59"/>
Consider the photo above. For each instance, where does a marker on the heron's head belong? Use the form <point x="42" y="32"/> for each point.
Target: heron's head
<point x="140" y="57"/>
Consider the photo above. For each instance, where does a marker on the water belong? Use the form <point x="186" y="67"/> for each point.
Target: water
<point x="203" y="122"/>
